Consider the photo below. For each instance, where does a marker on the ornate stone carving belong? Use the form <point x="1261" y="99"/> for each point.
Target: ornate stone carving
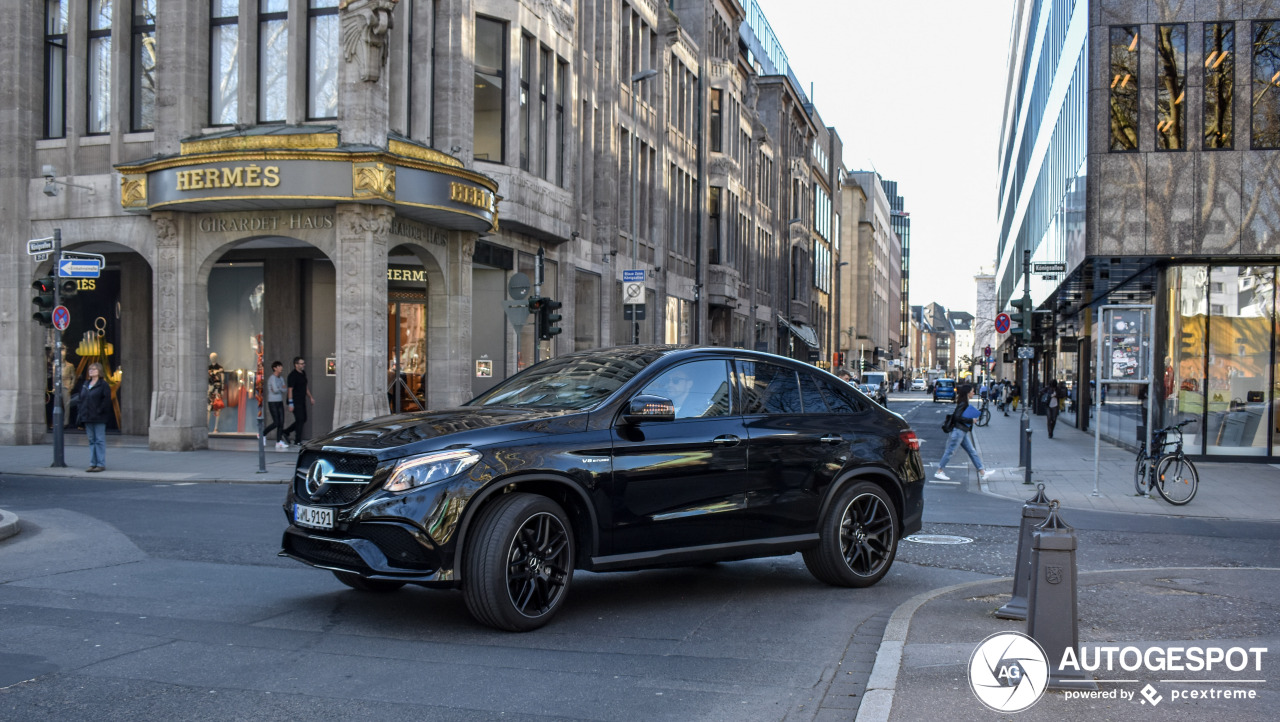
<point x="166" y="404"/>
<point x="373" y="180"/>
<point x="365" y="27"/>
<point x="133" y="191"/>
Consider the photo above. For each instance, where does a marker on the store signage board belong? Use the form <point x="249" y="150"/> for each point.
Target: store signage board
<point x="78" y="268"/>
<point x="1048" y="268"/>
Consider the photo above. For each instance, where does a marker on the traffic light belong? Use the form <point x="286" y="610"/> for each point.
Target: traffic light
<point x="837" y="359"/>
<point x="548" y="318"/>
<point x="43" y="300"/>
<point x="1022" y="316"/>
<point x="70" y="287"/>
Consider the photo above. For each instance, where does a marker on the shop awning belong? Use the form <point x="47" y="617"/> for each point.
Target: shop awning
<point x="807" y="334"/>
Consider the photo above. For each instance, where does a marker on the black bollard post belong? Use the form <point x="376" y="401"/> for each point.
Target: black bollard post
<point x="1026" y="476"/>
<point x="1051" y="606"/>
<point x="1034" y="512"/>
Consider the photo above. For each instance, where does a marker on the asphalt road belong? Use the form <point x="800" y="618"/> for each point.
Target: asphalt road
<point x="126" y="600"/>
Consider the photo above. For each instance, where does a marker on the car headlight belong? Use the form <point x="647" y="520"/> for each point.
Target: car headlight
<point x="415" y="471"/>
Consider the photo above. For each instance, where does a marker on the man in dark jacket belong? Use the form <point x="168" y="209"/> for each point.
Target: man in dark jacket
<point x="299" y="398"/>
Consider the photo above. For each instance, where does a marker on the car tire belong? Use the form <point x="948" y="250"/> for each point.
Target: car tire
<point x="858" y="538"/>
<point x="518" y="563"/>
<point x="359" y="583"/>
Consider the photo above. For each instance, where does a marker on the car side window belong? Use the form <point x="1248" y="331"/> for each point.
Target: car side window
<point x="813" y="401"/>
<point x="839" y="400"/>
<point x="769" y="389"/>
<point x="699" y="389"/>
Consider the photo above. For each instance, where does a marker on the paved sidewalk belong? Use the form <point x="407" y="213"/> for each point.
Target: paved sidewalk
<point x="129" y="459"/>
<point x="922" y="664"/>
<point x="1065" y="465"/>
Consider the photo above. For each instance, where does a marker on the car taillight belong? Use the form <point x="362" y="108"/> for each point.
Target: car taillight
<point x="910" y="439"/>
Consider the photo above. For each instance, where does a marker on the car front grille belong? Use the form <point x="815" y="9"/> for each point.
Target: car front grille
<point x="351" y="477"/>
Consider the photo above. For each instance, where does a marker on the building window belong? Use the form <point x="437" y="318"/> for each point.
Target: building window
<point x="273" y="60"/>
<point x="1171" y="87"/>
<point x="1266" y="84"/>
<point x="1124" y="88"/>
<point x="99" y="78"/>
<point x="143" y="80"/>
<point x="322" y="59"/>
<point x="1219" y="81"/>
<point x="562" y="94"/>
<point x="717" y="122"/>
<point x="55" y="68"/>
<point x="586" y="310"/>
<point x="713" y="229"/>
<point x="224" y="64"/>
<point x="821" y="211"/>
<point x="544" y="89"/>
<point x="490" y="106"/>
<point x="526" y="109"/>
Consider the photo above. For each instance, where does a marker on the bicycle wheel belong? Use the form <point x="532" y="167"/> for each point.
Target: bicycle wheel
<point x="984" y="417"/>
<point x="1176" y="479"/>
<point x="1140" y="475"/>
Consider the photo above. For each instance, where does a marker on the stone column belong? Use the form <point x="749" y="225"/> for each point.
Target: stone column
<point x="362" y="91"/>
<point x="451" y="361"/>
<point x="454" y="79"/>
<point x="179" y="399"/>
<point x="361" y="317"/>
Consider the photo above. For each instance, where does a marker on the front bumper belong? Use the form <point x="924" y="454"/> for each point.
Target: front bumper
<point x="396" y="554"/>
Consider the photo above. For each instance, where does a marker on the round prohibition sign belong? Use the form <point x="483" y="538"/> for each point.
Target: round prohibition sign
<point x="61" y="318"/>
<point x="1002" y="323"/>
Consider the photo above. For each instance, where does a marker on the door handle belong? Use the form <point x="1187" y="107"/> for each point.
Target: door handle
<point x="832" y="439"/>
<point x="726" y="440"/>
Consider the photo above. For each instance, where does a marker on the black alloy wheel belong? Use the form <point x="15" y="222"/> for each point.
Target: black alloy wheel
<point x="858" y="538"/>
<point x="359" y="583"/>
<point x="518" y="563"/>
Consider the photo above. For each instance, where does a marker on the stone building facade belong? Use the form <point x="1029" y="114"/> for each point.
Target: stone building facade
<point x="356" y="182"/>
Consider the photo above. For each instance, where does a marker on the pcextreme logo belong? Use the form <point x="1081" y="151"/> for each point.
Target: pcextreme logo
<point x="1008" y="672"/>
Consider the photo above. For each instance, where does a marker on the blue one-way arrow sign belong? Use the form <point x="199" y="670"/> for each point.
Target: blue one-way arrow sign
<point x="78" y="268"/>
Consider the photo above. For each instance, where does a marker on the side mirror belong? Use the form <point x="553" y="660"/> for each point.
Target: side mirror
<point x="647" y="407"/>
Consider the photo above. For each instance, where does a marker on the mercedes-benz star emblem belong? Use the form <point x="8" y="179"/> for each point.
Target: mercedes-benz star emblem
<point x="317" y="475"/>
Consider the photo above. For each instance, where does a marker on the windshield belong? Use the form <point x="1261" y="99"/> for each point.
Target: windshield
<point x="568" y="382"/>
<point x="946" y="384"/>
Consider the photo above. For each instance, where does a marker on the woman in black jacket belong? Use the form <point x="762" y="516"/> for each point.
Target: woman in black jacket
<point x="94" y="408"/>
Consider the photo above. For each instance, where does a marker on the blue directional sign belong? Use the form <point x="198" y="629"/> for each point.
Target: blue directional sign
<point x="78" y="268"/>
<point x="633" y="276"/>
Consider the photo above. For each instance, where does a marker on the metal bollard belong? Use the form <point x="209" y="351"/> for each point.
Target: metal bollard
<point x="1026" y="477"/>
<point x="1034" y="512"/>
<point x="1051" y="604"/>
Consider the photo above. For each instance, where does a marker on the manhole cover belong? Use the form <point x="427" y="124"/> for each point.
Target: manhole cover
<point x="938" y="539"/>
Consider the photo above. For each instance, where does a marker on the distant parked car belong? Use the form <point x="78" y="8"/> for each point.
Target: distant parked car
<point x="917" y="384"/>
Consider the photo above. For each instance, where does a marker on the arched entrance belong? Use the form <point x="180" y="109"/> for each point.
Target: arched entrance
<point x="110" y="324"/>
<point x="415" y="291"/>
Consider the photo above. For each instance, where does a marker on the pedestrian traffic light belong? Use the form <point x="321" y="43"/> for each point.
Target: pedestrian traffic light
<point x="43" y="300"/>
<point x="548" y="318"/>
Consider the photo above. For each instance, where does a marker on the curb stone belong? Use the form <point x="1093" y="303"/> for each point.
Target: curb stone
<point x="9" y="524"/>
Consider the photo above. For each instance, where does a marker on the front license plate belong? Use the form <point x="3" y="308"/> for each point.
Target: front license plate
<point x="312" y="516"/>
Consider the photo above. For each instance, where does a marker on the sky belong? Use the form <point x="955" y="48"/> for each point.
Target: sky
<point x="915" y="88"/>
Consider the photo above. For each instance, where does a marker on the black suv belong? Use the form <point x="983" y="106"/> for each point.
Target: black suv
<point x="608" y="460"/>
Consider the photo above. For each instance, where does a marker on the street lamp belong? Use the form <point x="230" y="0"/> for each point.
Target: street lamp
<point x="636" y="79"/>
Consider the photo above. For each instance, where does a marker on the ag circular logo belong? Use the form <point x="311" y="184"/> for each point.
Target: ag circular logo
<point x="1008" y="672"/>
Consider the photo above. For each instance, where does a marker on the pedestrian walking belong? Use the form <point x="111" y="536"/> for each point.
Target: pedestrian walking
<point x="1053" y="403"/>
<point x="962" y="419"/>
<point x="299" y="398"/>
<point x="93" y="409"/>
<point x="1016" y="396"/>
<point x="277" y="391"/>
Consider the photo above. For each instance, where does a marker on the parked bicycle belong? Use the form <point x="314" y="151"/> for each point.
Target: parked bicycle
<point x="1166" y="469"/>
<point x="984" y="415"/>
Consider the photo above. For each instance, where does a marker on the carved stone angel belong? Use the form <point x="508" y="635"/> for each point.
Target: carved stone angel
<point x="365" y="26"/>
